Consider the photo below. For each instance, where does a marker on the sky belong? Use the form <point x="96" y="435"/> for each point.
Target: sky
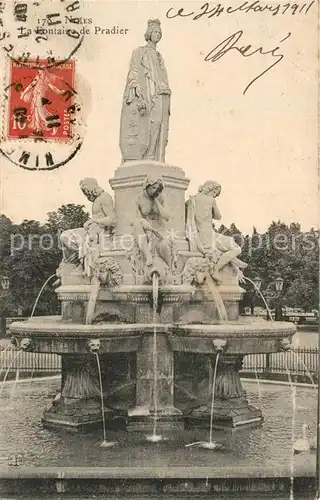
<point x="261" y="146"/>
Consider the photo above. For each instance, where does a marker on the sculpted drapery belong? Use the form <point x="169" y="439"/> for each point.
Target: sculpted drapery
<point x="146" y="102"/>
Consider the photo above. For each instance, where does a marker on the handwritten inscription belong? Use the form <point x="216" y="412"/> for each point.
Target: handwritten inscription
<point x="235" y="43"/>
<point x="231" y="44"/>
<point x="210" y="11"/>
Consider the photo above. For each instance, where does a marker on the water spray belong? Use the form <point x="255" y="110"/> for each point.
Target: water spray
<point x="39" y="294"/>
<point x="219" y="346"/>
<point x="94" y="347"/>
<point x="261" y="295"/>
<point x="154" y="437"/>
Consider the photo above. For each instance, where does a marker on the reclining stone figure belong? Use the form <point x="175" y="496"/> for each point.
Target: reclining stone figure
<point x="82" y="246"/>
<point x="218" y="248"/>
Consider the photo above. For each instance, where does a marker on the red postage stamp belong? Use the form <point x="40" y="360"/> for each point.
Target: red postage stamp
<point x="40" y="101"/>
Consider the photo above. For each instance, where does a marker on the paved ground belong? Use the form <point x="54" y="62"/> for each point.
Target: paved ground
<point x="248" y="496"/>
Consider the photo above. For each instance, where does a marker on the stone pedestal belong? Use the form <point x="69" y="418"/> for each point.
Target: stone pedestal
<point x="231" y="408"/>
<point x="183" y="304"/>
<point x="78" y="405"/>
<point x="154" y="397"/>
<point x="127" y="183"/>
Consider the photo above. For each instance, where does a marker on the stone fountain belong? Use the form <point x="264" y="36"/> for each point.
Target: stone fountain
<point x="107" y="293"/>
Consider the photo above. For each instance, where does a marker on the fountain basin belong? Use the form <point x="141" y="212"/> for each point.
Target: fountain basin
<point x="258" y="462"/>
<point x="186" y="355"/>
<point x="245" y="336"/>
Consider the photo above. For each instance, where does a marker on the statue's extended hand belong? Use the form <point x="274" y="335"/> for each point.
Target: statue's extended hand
<point x="148" y="228"/>
<point x="240" y="276"/>
<point x="215" y="255"/>
<point x="87" y="224"/>
<point x="157" y="234"/>
<point x="146" y="225"/>
<point x="142" y="107"/>
<point x="139" y="90"/>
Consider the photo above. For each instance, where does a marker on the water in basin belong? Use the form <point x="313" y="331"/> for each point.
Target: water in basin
<point x="265" y="446"/>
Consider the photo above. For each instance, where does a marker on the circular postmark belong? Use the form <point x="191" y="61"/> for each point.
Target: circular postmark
<point x="40" y="158"/>
<point x="44" y="114"/>
<point x="45" y="32"/>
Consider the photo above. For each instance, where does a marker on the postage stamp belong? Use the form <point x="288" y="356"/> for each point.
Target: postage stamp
<point x="40" y="101"/>
<point x="43" y="113"/>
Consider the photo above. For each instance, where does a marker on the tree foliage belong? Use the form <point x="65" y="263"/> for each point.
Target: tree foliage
<point x="67" y="217"/>
<point x="30" y="252"/>
<point x="286" y="251"/>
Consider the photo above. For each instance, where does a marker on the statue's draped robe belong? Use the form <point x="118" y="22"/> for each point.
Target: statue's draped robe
<point x="145" y="119"/>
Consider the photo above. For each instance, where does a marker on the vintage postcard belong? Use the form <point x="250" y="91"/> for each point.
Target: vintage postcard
<point x="159" y="249"/>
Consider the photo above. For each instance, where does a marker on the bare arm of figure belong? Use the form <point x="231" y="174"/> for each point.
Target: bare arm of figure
<point x="138" y="218"/>
<point x="55" y="89"/>
<point x="160" y="204"/>
<point x="106" y="204"/>
<point x="215" y="210"/>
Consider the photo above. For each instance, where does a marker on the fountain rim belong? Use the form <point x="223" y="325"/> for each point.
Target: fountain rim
<point x="44" y="325"/>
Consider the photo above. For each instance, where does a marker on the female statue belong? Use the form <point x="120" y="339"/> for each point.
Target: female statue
<point x="146" y="102"/>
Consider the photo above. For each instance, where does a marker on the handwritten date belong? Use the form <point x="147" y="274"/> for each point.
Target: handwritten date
<point x="215" y="10"/>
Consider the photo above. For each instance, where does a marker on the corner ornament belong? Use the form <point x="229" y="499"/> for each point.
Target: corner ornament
<point x="108" y="272"/>
<point x="27" y="345"/>
<point x="219" y="345"/>
<point x="285" y="344"/>
<point x="94" y="345"/>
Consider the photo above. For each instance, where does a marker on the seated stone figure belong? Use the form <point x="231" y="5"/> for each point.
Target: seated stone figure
<point x="150" y="224"/>
<point x="218" y="248"/>
<point x="82" y="246"/>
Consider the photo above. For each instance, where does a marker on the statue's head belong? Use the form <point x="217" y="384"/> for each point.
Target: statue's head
<point x="90" y="188"/>
<point x="153" y="185"/>
<point x="153" y="33"/>
<point x="210" y="188"/>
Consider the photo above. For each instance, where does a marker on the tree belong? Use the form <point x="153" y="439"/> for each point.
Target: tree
<point x="287" y="251"/>
<point x="31" y="262"/>
<point x="6" y="227"/>
<point x="31" y="252"/>
<point x="303" y="293"/>
<point x="67" y="217"/>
